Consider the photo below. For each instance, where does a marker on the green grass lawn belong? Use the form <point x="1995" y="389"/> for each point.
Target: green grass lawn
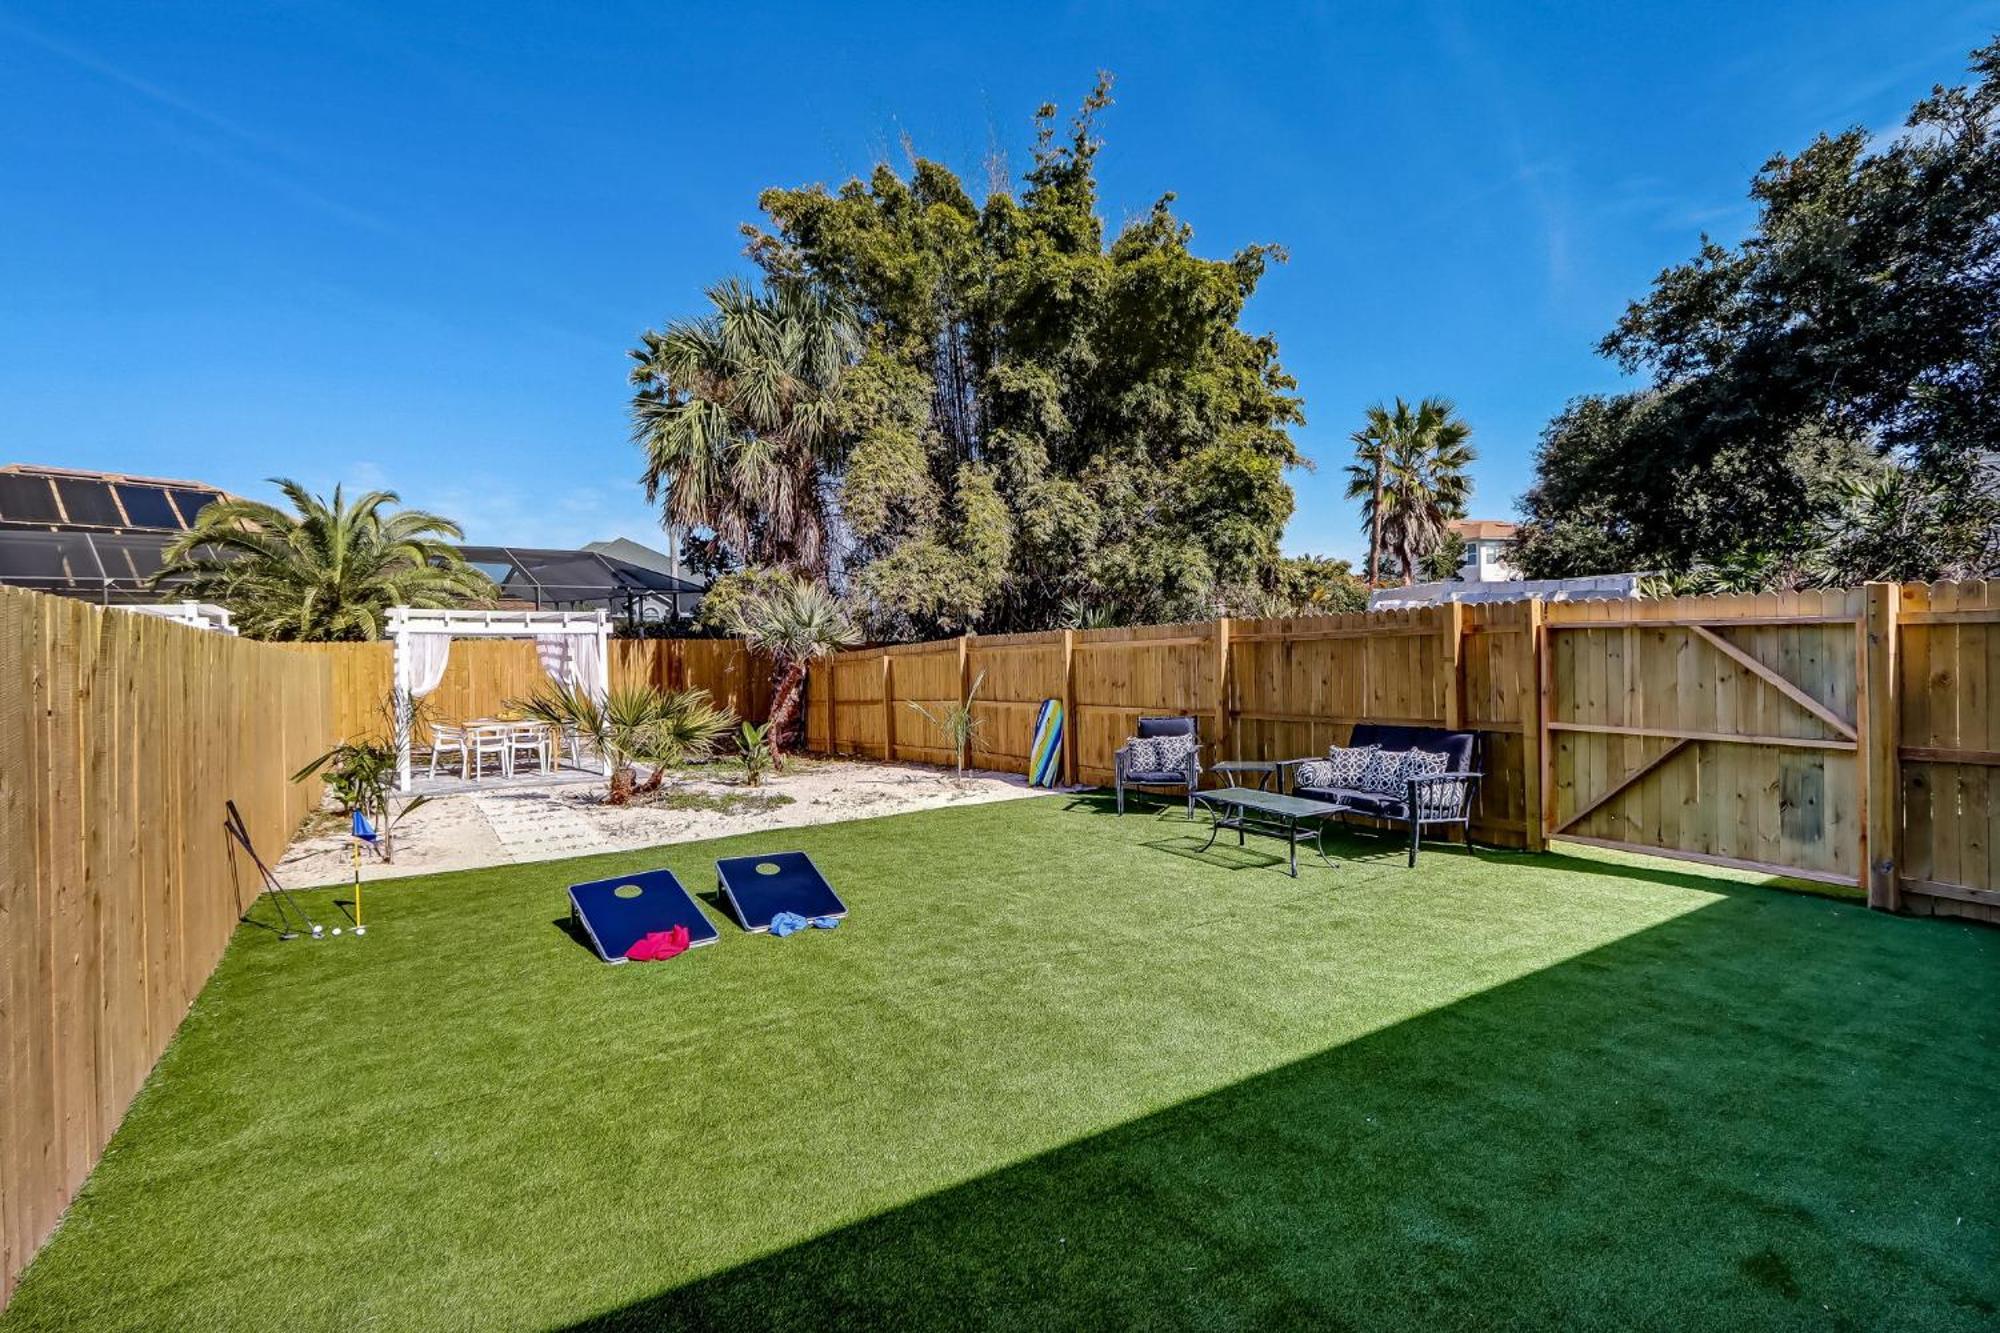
<point x="1062" y="1069"/>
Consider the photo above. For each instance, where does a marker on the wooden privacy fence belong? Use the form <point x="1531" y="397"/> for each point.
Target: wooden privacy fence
<point x="121" y="736"/>
<point x="1846" y="736"/>
<point x="1262" y="689"/>
<point x="482" y="674"/>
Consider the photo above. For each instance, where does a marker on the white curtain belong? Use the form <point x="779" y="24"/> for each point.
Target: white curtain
<point x="587" y="661"/>
<point x="574" y="660"/>
<point x="426" y="655"/>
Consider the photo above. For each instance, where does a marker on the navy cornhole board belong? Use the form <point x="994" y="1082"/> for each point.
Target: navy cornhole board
<point x="757" y="888"/>
<point x="618" y="913"/>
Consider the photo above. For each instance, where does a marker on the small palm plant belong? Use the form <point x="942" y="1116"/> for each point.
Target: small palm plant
<point x="958" y="724"/>
<point x="753" y="746"/>
<point x="362" y="772"/>
<point x="792" y="621"/>
<point x="632" y="725"/>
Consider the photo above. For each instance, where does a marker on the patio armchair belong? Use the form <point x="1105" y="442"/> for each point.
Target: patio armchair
<point x="1138" y="763"/>
<point x="1418" y="801"/>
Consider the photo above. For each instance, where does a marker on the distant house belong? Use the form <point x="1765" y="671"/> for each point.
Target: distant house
<point x="1486" y="576"/>
<point x="1486" y="550"/>
<point x="681" y="603"/>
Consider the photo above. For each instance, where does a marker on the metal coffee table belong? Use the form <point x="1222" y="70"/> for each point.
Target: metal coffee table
<point x="1268" y="813"/>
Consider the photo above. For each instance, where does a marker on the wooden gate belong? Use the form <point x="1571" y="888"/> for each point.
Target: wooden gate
<point x="1947" y="665"/>
<point x="1725" y="730"/>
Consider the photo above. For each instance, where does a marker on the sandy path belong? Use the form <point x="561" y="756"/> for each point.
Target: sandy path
<point x="514" y="824"/>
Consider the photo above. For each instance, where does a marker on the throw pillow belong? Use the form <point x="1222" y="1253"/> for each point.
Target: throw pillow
<point x="1347" y="765"/>
<point x="1437" y="800"/>
<point x="1142" y="755"/>
<point x="1315" y="773"/>
<point x="1383" y="773"/>
<point x="1173" y="751"/>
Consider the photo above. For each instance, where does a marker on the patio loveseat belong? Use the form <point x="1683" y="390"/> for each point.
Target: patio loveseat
<point x="1369" y="777"/>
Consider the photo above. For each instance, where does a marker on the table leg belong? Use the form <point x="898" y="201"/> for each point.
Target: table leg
<point x="1292" y="843"/>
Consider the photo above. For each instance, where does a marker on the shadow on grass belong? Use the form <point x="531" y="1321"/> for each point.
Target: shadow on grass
<point x="1705" y="1124"/>
<point x="571" y="927"/>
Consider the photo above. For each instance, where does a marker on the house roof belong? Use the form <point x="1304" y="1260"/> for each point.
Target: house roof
<point x="1483" y="529"/>
<point x="637" y="553"/>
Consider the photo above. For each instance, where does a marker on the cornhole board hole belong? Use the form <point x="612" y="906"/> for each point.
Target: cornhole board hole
<point x="757" y="888"/>
<point x="618" y="913"/>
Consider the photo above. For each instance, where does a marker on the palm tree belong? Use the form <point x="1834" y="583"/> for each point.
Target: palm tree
<point x="737" y="414"/>
<point x="1410" y="475"/>
<point x="327" y="569"/>
<point x="632" y="724"/>
<point x="793" y="621"/>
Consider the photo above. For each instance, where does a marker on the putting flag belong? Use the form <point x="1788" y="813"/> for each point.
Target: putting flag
<point x="362" y="828"/>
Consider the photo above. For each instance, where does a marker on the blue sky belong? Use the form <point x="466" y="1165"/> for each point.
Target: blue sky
<point x="408" y="245"/>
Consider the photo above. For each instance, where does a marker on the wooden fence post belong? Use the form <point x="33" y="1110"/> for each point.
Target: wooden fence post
<point x="1534" y="726"/>
<point x="1069" y="706"/>
<point x="1878" y="724"/>
<point x="888" y="711"/>
<point x="1451" y="656"/>
<point x="1223" y="748"/>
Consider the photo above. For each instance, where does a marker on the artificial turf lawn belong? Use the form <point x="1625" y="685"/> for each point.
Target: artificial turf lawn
<point x="1061" y="1069"/>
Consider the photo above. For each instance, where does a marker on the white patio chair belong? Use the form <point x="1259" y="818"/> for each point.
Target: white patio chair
<point x="531" y="742"/>
<point x="450" y="740"/>
<point x="489" y="743"/>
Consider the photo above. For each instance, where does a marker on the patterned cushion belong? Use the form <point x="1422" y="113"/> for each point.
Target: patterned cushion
<point x="1175" y="750"/>
<point x="1341" y="768"/>
<point x="1348" y="764"/>
<point x="1435" y="800"/>
<point x="1158" y="754"/>
<point x="1314" y="773"/>
<point x="1385" y="772"/>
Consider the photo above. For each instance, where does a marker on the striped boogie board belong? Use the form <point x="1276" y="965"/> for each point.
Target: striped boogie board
<point x="1045" y="755"/>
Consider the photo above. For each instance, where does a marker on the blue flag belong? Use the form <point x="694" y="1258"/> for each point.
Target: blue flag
<point x="362" y="828"/>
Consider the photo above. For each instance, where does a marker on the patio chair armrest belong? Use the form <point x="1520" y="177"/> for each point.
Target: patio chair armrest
<point x="1428" y="778"/>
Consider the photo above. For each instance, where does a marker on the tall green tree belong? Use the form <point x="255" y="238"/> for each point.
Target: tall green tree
<point x="326" y="570"/>
<point x="1855" y="330"/>
<point x="1409" y="473"/>
<point x="1041" y="414"/>
<point x="739" y="416"/>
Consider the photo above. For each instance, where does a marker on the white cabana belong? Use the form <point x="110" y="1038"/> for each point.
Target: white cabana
<point x="574" y="648"/>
